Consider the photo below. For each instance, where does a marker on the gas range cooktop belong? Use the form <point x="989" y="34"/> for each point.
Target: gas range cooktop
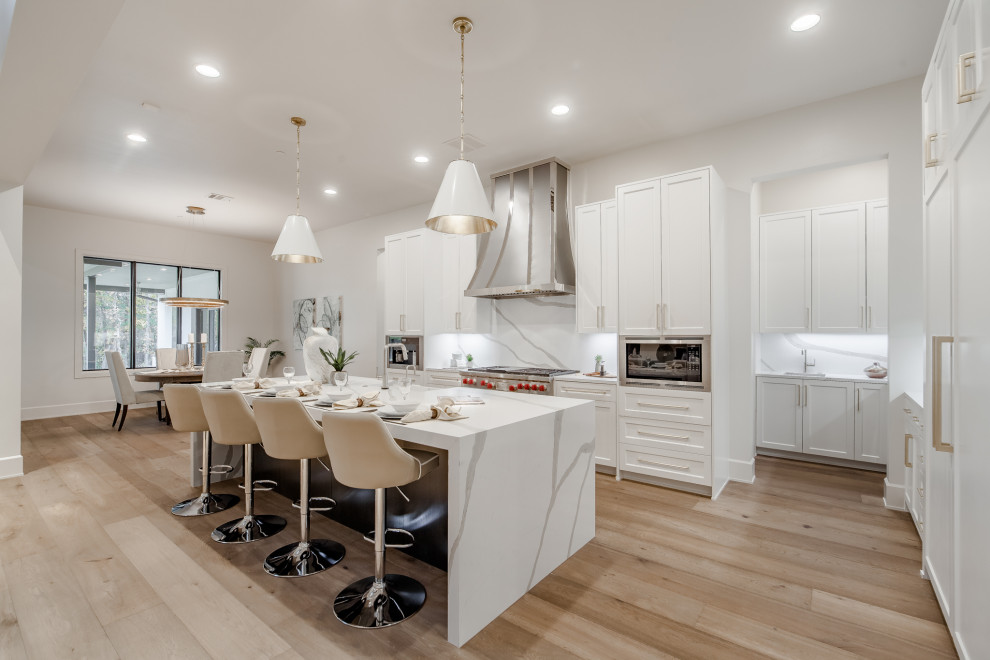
<point x="534" y="380"/>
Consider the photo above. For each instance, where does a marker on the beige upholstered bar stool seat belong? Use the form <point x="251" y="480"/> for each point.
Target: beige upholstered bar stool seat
<point x="363" y="454"/>
<point x="187" y="415"/>
<point x="289" y="433"/>
<point x="232" y="423"/>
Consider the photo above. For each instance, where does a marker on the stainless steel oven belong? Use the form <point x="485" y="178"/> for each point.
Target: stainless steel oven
<point x="671" y="363"/>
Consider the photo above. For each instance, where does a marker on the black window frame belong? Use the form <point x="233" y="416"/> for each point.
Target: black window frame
<point x="199" y="320"/>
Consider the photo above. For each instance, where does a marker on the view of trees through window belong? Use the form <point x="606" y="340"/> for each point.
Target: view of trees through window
<point x="123" y="311"/>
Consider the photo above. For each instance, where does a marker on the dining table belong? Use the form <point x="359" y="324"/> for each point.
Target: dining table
<point x="163" y="376"/>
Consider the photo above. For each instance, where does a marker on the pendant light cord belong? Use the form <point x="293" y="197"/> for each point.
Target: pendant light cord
<point x="462" y="95"/>
<point x="298" y="128"/>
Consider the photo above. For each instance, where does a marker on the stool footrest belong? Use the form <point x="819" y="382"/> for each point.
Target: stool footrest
<point x="220" y="469"/>
<point x="332" y="502"/>
<point x="370" y="537"/>
<point x="261" y="485"/>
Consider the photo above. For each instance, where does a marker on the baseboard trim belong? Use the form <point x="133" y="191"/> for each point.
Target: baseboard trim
<point x="69" y="409"/>
<point x="742" y="471"/>
<point x="893" y="496"/>
<point x="11" y="466"/>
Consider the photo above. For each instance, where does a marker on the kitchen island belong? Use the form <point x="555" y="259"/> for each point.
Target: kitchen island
<point x="519" y="500"/>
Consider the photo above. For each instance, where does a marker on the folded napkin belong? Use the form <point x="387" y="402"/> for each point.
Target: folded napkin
<point x="246" y="385"/>
<point x="308" y="388"/>
<point x="444" y="410"/>
<point x="366" y="400"/>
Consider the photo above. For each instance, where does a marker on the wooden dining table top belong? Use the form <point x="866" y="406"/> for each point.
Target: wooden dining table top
<point x="170" y="376"/>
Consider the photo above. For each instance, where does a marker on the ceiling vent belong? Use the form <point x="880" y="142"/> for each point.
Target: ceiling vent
<point x="471" y="143"/>
<point x="218" y="196"/>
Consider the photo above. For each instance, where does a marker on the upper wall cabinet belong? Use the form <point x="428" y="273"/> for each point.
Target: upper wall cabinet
<point x="460" y="313"/>
<point x="838" y="269"/>
<point x="824" y="270"/>
<point x="665" y="243"/>
<point x="785" y="272"/>
<point x="597" y="248"/>
<point x="405" y="256"/>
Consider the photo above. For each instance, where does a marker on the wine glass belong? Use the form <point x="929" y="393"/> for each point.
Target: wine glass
<point x="289" y="372"/>
<point x="405" y="387"/>
<point x="340" y="377"/>
<point x="246" y="368"/>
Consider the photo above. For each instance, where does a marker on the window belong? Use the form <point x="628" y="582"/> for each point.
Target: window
<point x="123" y="311"/>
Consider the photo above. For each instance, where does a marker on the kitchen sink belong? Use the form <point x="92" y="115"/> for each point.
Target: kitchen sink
<point x="810" y="374"/>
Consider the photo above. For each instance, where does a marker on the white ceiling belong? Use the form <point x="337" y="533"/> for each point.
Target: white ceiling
<point x="378" y="84"/>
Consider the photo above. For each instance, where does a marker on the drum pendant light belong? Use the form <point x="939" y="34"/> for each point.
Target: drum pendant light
<point x="461" y="206"/>
<point x="296" y="244"/>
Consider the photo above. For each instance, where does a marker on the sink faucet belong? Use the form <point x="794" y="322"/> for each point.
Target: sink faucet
<point x="807" y="362"/>
<point x="405" y="354"/>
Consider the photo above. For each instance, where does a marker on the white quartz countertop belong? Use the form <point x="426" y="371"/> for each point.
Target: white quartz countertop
<point x="859" y="378"/>
<point x="581" y="378"/>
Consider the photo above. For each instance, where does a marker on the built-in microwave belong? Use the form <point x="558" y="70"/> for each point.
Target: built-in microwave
<point x="671" y="363"/>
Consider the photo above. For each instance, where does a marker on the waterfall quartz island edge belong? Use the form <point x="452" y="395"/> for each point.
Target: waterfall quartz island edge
<point x="520" y="495"/>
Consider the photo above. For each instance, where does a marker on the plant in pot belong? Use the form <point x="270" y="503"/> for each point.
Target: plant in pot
<point x="339" y="362"/>
<point x="598" y="363"/>
<point x="470" y="360"/>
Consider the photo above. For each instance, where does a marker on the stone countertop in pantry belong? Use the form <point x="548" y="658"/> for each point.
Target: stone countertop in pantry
<point x="581" y="378"/>
<point x="858" y="378"/>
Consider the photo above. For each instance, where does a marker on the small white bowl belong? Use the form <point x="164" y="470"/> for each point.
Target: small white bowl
<point x="404" y="407"/>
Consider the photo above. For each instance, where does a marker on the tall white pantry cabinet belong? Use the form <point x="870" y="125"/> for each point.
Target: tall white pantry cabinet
<point x="956" y="143"/>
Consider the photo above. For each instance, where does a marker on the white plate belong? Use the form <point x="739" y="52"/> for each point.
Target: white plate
<point x="335" y="395"/>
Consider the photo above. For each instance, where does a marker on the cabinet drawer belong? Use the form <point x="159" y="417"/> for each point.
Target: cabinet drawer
<point x="680" y="466"/>
<point x="591" y="391"/>
<point x="691" y="438"/>
<point x="668" y="406"/>
<point x="442" y="379"/>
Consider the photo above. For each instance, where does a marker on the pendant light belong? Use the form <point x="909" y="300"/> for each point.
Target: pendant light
<point x="461" y="206"/>
<point x="195" y="303"/>
<point x="296" y="244"/>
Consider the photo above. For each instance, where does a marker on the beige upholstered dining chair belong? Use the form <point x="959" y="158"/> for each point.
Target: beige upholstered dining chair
<point x="165" y="358"/>
<point x="222" y="365"/>
<point x="124" y="391"/>
<point x="258" y="362"/>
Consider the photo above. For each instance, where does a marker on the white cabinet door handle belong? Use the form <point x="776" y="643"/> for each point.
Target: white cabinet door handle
<point x="869" y="316"/>
<point x="937" y="443"/>
<point x="862" y="316"/>
<point x="650" y="434"/>
<point x="659" y="319"/>
<point x="457" y="320"/>
<point x="663" y="317"/>
<point x="662" y="405"/>
<point x="807" y="317"/>
<point x="667" y="465"/>
<point x="576" y="390"/>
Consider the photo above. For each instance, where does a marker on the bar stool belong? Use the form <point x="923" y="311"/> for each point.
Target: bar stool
<point x="187" y="415"/>
<point x="363" y="454"/>
<point x="232" y="423"/>
<point x="289" y="433"/>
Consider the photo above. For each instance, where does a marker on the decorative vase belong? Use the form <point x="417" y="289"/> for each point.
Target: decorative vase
<point x="316" y="367"/>
<point x="598" y="366"/>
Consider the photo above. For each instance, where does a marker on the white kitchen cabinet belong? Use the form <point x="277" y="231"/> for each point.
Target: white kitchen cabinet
<point x="779" y="416"/>
<point x="871" y="423"/>
<point x="597" y="248"/>
<point x="395" y="375"/>
<point x="603" y="394"/>
<point x="838" y="268"/>
<point x="829" y="419"/>
<point x="460" y="313"/>
<point x="638" y="212"/>
<point x="785" y="272"/>
<point x="876" y="265"/>
<point x="685" y="262"/>
<point x="441" y="378"/>
<point x="405" y="256"/>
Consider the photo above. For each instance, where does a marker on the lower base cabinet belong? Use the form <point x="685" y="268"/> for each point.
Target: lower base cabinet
<point x="604" y="395"/>
<point x="839" y="419"/>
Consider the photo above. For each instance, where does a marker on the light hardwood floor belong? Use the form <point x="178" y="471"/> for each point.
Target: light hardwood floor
<point x="805" y="563"/>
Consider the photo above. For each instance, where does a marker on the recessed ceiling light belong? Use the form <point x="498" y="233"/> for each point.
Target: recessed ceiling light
<point x="208" y="71"/>
<point x="806" y="22"/>
<point x="560" y="110"/>
<point x="137" y="137"/>
<point x="422" y="159"/>
<point x="329" y="191"/>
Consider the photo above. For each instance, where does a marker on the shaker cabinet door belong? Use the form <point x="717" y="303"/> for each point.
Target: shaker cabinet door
<point x="785" y="272"/>
<point x="838" y="260"/>
<point x="778" y="413"/>
<point x="686" y="274"/>
<point x="876" y="266"/>
<point x="829" y="418"/>
<point x="588" y="237"/>
<point x="638" y="206"/>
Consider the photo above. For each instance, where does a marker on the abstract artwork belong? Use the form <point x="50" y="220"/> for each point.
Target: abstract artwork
<point x="328" y="315"/>
<point x="303" y="315"/>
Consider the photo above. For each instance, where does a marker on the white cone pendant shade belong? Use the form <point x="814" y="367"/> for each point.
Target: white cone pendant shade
<point x="461" y="206"/>
<point x="296" y="244"/>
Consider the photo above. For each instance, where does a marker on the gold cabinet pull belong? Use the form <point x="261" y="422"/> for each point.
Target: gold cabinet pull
<point x="661" y="405"/>
<point x="937" y="343"/>
<point x="667" y="465"/>
<point x="650" y="434"/>
<point x="930" y="161"/>
<point x="964" y="94"/>
<point x="907" y="452"/>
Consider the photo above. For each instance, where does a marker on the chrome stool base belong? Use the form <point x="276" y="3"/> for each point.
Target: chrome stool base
<point x="249" y="528"/>
<point x="369" y="603"/>
<point x="304" y="558"/>
<point x="205" y="504"/>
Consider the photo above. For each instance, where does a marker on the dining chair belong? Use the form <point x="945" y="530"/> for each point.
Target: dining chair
<point x="222" y="365"/>
<point x="258" y="362"/>
<point x="165" y="358"/>
<point x="124" y="392"/>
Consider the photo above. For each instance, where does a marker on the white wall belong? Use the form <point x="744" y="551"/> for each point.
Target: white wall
<point x="11" y="222"/>
<point x="50" y="387"/>
<point x="825" y="187"/>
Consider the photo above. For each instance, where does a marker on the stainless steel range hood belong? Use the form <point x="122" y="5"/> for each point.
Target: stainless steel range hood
<point x="529" y="253"/>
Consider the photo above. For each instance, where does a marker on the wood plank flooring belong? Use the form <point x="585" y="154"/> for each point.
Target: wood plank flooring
<point x="805" y="563"/>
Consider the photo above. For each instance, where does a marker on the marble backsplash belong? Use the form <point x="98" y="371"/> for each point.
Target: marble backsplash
<point x="833" y="354"/>
<point x="535" y="332"/>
